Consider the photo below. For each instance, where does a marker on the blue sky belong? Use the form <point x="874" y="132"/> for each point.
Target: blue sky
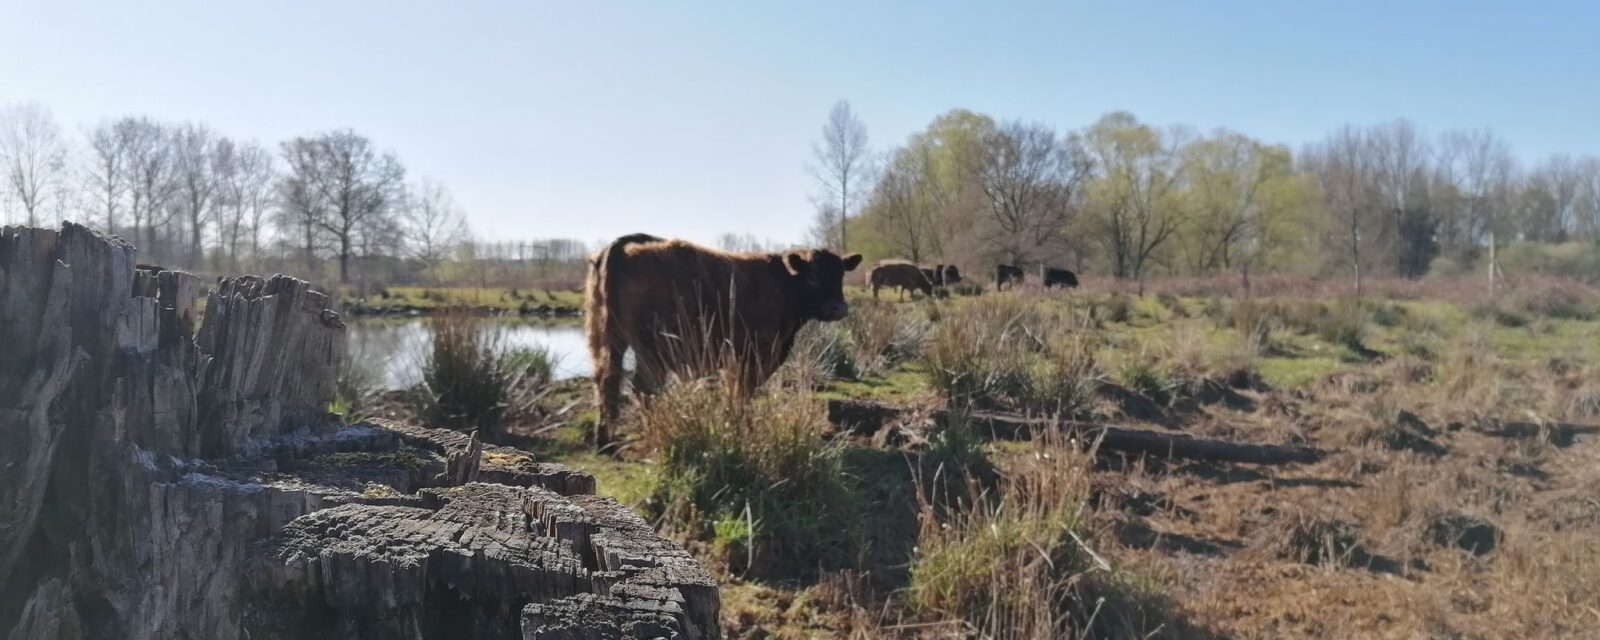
<point x="594" y="119"/>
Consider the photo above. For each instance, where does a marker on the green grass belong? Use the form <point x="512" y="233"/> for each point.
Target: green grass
<point x="905" y="382"/>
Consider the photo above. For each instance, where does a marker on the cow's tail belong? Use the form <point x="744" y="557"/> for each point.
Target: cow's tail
<point x="606" y="344"/>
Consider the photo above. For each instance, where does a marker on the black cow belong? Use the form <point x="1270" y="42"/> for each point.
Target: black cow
<point x="949" y="275"/>
<point x="1054" y="277"/>
<point x="1006" y="273"/>
<point x="942" y="275"/>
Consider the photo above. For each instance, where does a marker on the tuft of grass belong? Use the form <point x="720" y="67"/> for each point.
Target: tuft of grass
<point x="1144" y="376"/>
<point x="1344" y="324"/>
<point x="764" y="461"/>
<point x="1013" y="353"/>
<point x="884" y="337"/>
<point x="822" y="352"/>
<point x="1004" y="563"/>
<point x="466" y="384"/>
<point x="1115" y="308"/>
<point x="1015" y="558"/>
<point x="1313" y="538"/>
<point x="1583" y="403"/>
<point x="355" y="388"/>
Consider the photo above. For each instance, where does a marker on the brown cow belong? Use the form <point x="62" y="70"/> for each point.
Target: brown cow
<point x="684" y="308"/>
<point x="901" y="274"/>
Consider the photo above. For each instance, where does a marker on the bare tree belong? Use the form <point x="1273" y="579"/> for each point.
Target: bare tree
<point x="840" y="164"/>
<point x="194" y="164"/>
<point x="1587" y="213"/>
<point x="300" y="214"/>
<point x="33" y="157"/>
<point x="433" y="223"/>
<point x="1344" y="169"/>
<point x="244" y="176"/>
<point x="358" y="187"/>
<point x="1484" y="174"/>
<point x="1400" y="159"/>
<point x="105" y="176"/>
<point x="742" y="243"/>
<point x="908" y="199"/>
<point x="1559" y="180"/>
<point x="150" y="179"/>
<point x="1030" y="182"/>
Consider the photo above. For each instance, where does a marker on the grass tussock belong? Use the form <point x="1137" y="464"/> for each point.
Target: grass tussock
<point x="471" y="382"/>
<point x="755" y="477"/>
<point x="1016" y="559"/>
<point x="884" y="336"/>
<point x="1013" y="353"/>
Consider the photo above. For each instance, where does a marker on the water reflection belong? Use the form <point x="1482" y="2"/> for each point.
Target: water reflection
<point x="391" y="350"/>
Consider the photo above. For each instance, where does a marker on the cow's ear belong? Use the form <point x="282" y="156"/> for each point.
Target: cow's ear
<point x="796" y="263"/>
<point x="852" y="261"/>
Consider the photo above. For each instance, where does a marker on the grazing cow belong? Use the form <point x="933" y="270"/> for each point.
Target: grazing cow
<point x="1053" y="277"/>
<point x="684" y="308"/>
<point x="1005" y="273"/>
<point x="900" y="274"/>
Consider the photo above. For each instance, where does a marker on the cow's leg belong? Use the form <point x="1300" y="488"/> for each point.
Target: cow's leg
<point x="608" y="389"/>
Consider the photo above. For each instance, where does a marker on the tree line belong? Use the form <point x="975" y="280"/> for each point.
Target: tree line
<point x="1128" y="199"/>
<point x="191" y="197"/>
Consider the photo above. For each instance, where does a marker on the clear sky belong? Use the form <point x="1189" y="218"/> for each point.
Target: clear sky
<point x="592" y="119"/>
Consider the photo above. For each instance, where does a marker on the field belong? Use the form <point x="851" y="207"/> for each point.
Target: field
<point x="1458" y="497"/>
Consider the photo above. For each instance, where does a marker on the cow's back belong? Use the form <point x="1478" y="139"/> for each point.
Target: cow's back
<point x="897" y="273"/>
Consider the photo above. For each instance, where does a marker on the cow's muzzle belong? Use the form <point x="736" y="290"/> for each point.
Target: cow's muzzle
<point x="834" y="311"/>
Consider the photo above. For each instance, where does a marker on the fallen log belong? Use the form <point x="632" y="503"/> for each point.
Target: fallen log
<point x="866" y="418"/>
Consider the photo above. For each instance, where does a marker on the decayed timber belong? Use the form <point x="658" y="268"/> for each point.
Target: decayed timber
<point x="168" y="472"/>
<point x="866" y="418"/>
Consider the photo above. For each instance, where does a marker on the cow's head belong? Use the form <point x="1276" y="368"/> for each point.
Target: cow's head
<point x="817" y="276"/>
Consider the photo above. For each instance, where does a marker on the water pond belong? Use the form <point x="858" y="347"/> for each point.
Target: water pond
<point x="392" y="350"/>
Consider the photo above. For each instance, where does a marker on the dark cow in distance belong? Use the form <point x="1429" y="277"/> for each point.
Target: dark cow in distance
<point x="1053" y="277"/>
<point x="942" y="275"/>
<point x="900" y="274"/>
<point x="1006" y="274"/>
<point x="688" y="309"/>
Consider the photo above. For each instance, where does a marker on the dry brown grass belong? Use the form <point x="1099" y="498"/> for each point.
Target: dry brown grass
<point x="1364" y="544"/>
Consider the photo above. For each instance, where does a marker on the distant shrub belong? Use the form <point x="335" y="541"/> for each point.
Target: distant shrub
<point x="1344" y="324"/>
<point x="1115" y="308"/>
<point x="1172" y="304"/>
<point x="1387" y="314"/>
